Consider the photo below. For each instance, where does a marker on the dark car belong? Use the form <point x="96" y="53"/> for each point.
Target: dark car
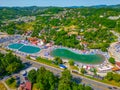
<point x="17" y="78"/>
<point x="110" y="87"/>
<point x="18" y="82"/>
<point x="26" y="78"/>
<point x="115" y="87"/>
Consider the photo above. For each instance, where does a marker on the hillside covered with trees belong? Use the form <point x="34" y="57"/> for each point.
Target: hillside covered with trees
<point x="72" y="27"/>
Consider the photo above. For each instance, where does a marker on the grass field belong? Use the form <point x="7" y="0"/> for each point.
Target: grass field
<point x="34" y="87"/>
<point x="11" y="82"/>
<point x="2" y="86"/>
<point x="46" y="61"/>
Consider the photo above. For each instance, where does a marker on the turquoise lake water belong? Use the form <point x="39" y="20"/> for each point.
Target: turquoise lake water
<point x="24" y="48"/>
<point x="15" y="45"/>
<point x="87" y="59"/>
<point x="29" y="49"/>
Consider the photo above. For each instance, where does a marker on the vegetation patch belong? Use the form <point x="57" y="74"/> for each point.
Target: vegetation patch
<point x="2" y="86"/>
<point x="9" y="64"/>
<point x="46" y="61"/>
<point x="11" y="82"/>
<point x="45" y="80"/>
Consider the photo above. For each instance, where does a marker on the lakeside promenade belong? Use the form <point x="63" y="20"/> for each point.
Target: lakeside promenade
<point x="95" y="84"/>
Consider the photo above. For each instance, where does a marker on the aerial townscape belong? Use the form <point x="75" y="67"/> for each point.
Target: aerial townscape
<point x="59" y="47"/>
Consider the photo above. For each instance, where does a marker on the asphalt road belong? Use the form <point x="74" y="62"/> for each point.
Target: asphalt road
<point x="94" y="84"/>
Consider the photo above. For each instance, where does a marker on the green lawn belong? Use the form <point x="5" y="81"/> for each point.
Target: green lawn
<point x="34" y="87"/>
<point x="2" y="86"/>
<point x="46" y="61"/>
<point x="11" y="82"/>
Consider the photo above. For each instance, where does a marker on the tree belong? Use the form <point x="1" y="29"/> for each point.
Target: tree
<point x="11" y="31"/>
<point x="88" y="88"/>
<point x="83" y="71"/>
<point x="109" y="76"/>
<point x="94" y="70"/>
<point x="45" y="79"/>
<point x="58" y="60"/>
<point x="66" y="75"/>
<point x="32" y="76"/>
<point x="104" y="49"/>
<point x="113" y="76"/>
<point x="65" y="81"/>
<point x="9" y="64"/>
<point x="112" y="60"/>
<point x="63" y="85"/>
<point x="11" y="68"/>
<point x="10" y="80"/>
<point x="81" y="87"/>
<point x="116" y="77"/>
<point x="71" y="62"/>
<point x="75" y="86"/>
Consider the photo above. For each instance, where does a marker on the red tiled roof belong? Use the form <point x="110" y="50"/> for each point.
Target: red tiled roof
<point x="115" y="69"/>
<point x="28" y="85"/>
<point x="118" y="64"/>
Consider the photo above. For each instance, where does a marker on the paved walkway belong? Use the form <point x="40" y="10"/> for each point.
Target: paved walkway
<point x="6" y="85"/>
<point x="96" y="85"/>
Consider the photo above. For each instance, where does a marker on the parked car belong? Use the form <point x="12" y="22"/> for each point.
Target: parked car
<point x="26" y="78"/>
<point x="17" y="77"/>
<point x="110" y="87"/>
<point x="115" y="87"/>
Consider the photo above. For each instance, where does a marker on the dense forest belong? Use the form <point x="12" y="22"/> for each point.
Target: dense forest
<point x="68" y="26"/>
<point x="9" y="64"/>
<point x="45" y="80"/>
